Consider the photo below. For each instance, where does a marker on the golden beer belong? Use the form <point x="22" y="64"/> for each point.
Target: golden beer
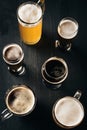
<point x="30" y="22"/>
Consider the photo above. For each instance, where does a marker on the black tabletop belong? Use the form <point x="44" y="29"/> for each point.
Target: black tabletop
<point x="35" y="56"/>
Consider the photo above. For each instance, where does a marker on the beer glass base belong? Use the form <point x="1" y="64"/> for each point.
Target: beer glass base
<point x="19" y="71"/>
<point x="66" y="47"/>
<point x="31" y="43"/>
<point x="51" y="86"/>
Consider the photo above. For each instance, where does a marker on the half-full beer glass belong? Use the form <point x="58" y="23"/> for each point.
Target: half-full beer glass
<point x="67" y="30"/>
<point x="29" y="15"/>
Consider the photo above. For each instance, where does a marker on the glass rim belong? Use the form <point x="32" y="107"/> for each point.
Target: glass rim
<point x="13" y="88"/>
<point x="71" y="19"/>
<point x="53" y="82"/>
<point x="21" y="20"/>
<point x="61" y="60"/>
<point x="57" y="121"/>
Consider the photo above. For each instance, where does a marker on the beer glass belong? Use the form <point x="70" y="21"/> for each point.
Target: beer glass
<point x="13" y="56"/>
<point x="54" y="71"/>
<point x="67" y="30"/>
<point x="20" y="101"/>
<point x="68" y="112"/>
<point x="30" y="16"/>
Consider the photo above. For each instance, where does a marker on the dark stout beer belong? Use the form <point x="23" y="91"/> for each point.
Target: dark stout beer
<point x="67" y="30"/>
<point x="68" y="112"/>
<point x="13" y="56"/>
<point x="54" y="71"/>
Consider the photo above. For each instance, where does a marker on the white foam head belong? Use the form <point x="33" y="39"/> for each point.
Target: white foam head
<point x="67" y="29"/>
<point x="22" y="100"/>
<point x="69" y="111"/>
<point x="13" y="53"/>
<point x="30" y="13"/>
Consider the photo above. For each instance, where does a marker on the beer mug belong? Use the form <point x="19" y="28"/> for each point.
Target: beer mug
<point x="67" y="30"/>
<point x="30" y="17"/>
<point x="20" y="100"/>
<point x="13" y="56"/>
<point x="54" y="71"/>
<point x="68" y="112"/>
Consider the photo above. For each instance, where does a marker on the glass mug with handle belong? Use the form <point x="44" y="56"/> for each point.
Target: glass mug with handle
<point x="20" y="101"/>
<point x="30" y="17"/>
<point x="68" y="112"/>
<point x="67" y="30"/>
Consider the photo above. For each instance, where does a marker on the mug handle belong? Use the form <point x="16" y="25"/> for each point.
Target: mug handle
<point x="42" y="4"/>
<point x="6" y="114"/>
<point x="78" y="94"/>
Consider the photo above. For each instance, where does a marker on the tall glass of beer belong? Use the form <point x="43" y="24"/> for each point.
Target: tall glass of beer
<point x="29" y="15"/>
<point x="67" y="30"/>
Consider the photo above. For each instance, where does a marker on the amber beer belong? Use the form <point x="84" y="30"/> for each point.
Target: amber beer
<point x="29" y="16"/>
<point x="67" y="30"/>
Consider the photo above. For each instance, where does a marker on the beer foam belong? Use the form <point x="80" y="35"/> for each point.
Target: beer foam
<point x="23" y="101"/>
<point x="69" y="112"/>
<point x="30" y="13"/>
<point x="67" y="29"/>
<point x="13" y="53"/>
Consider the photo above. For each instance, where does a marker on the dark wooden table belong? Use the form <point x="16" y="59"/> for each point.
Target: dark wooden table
<point x="41" y="117"/>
